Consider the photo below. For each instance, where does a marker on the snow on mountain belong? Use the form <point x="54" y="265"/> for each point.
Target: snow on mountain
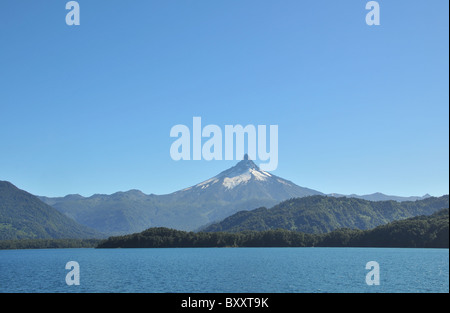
<point x="244" y="172"/>
<point x="232" y="182"/>
<point x="242" y="187"/>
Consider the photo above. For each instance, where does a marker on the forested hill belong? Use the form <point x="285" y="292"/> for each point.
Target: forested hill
<point x="417" y="232"/>
<point x="321" y="214"/>
<point x="24" y="216"/>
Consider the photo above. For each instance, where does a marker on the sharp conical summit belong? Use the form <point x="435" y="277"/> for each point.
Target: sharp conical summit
<point x="242" y="187"/>
<point x="246" y="181"/>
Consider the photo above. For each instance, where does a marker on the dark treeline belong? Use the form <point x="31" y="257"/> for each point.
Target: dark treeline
<point x="48" y="243"/>
<point x="418" y="232"/>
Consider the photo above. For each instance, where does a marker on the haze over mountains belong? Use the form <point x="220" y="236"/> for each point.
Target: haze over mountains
<point x="378" y="196"/>
<point x="242" y="187"/>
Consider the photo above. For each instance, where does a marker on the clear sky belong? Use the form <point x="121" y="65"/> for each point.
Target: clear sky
<point x="88" y="109"/>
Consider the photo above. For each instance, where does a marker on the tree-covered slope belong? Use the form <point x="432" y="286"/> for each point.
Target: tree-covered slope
<point x="241" y="187"/>
<point x="417" y="232"/>
<point x="320" y="214"/>
<point x="24" y="216"/>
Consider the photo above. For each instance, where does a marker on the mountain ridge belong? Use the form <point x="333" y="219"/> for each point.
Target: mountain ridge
<point x="425" y="231"/>
<point x="24" y="216"/>
<point x="378" y="196"/>
<point x="320" y="214"/>
<point x="243" y="186"/>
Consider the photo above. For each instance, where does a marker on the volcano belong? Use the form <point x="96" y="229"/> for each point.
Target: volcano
<point x="242" y="187"/>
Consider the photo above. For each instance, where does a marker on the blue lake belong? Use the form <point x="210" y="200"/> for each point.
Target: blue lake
<point x="231" y="270"/>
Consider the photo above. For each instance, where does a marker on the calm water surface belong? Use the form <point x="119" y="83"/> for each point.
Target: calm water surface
<point x="234" y="270"/>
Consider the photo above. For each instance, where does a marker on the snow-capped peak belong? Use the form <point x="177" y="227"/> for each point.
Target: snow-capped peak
<point x="241" y="173"/>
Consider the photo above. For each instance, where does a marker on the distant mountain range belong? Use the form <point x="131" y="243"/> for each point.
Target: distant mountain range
<point x="425" y="231"/>
<point x="321" y="214"/>
<point x="242" y="187"/>
<point x="24" y="216"/>
<point x="378" y="196"/>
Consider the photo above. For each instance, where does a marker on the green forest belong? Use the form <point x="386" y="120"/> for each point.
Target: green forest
<point x="24" y="216"/>
<point x="322" y="214"/>
<point x="417" y="232"/>
<point x="48" y="243"/>
<point x="430" y="231"/>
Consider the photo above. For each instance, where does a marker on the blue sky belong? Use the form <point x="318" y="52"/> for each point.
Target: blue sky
<point x="88" y="109"/>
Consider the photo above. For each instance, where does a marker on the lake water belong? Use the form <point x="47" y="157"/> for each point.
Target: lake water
<point x="229" y="270"/>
